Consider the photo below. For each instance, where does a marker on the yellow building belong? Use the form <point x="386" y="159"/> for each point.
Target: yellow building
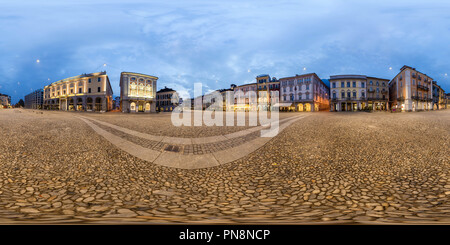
<point x="5" y="101"/>
<point x="348" y="92"/>
<point x="86" y="92"/>
<point x="411" y="90"/>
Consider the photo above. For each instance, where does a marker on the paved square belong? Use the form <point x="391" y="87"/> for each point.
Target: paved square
<point x="322" y="168"/>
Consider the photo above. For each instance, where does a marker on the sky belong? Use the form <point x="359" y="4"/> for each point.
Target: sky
<point x="218" y="43"/>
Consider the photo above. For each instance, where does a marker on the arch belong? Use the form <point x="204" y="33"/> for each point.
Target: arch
<point x="89" y="104"/>
<point x="71" y="106"/>
<point x="307" y="107"/>
<point x="132" y="107"/>
<point x="98" y="104"/>
<point x="79" y="105"/>
<point x="300" y="107"/>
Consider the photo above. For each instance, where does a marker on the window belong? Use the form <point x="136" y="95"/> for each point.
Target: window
<point x="354" y="84"/>
<point x="354" y="94"/>
<point x="292" y="97"/>
<point x="378" y="90"/>
<point x="378" y="84"/>
<point x="342" y="94"/>
<point x="363" y="84"/>
<point x="334" y="85"/>
<point x="284" y="89"/>
<point x="349" y="94"/>
<point x="334" y="95"/>
<point x="363" y="94"/>
<point x="89" y="90"/>
<point x="342" y="84"/>
<point x="80" y="90"/>
<point x="370" y="83"/>
<point x="71" y="91"/>
<point x="348" y="84"/>
<point x="99" y="79"/>
<point x="89" y="81"/>
<point x="98" y="89"/>
<point x="307" y="87"/>
<point x="307" y="96"/>
<point x="284" y="97"/>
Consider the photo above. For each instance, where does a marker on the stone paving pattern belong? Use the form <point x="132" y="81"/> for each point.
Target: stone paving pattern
<point x="325" y="168"/>
<point x="160" y="124"/>
<point x="184" y="149"/>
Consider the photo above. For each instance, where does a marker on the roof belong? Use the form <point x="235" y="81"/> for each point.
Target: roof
<point x="79" y="76"/>
<point x="247" y="84"/>
<point x="165" y="89"/>
<point x="348" y="77"/>
<point x="138" y="74"/>
<point x="262" y="75"/>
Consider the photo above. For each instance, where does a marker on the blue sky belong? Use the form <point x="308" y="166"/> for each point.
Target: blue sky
<point x="219" y="42"/>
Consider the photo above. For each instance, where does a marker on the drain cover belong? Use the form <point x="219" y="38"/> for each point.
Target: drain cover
<point x="172" y="148"/>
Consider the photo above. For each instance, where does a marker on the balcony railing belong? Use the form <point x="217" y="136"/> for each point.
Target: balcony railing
<point x="422" y="87"/>
<point x="377" y="98"/>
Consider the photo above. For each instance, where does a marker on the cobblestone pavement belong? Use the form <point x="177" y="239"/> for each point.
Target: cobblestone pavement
<point x="326" y="168"/>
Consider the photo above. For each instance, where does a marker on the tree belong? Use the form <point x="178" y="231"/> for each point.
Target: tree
<point x="21" y="103"/>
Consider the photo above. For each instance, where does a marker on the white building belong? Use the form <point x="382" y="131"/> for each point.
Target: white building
<point x="137" y="92"/>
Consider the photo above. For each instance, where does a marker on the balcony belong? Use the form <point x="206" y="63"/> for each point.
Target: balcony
<point x="377" y="98"/>
<point x="370" y="90"/>
<point x="415" y="97"/>
<point x="422" y="87"/>
<point x="401" y="98"/>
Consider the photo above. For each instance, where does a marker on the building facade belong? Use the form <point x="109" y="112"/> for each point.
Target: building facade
<point x="5" y="101"/>
<point x="411" y="90"/>
<point x="305" y="92"/>
<point x="166" y="99"/>
<point x="268" y="90"/>
<point x="442" y="99"/>
<point x="35" y="100"/>
<point x="137" y="92"/>
<point x="245" y="97"/>
<point x="358" y="92"/>
<point x="377" y="94"/>
<point x="435" y="93"/>
<point x="86" y="92"/>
